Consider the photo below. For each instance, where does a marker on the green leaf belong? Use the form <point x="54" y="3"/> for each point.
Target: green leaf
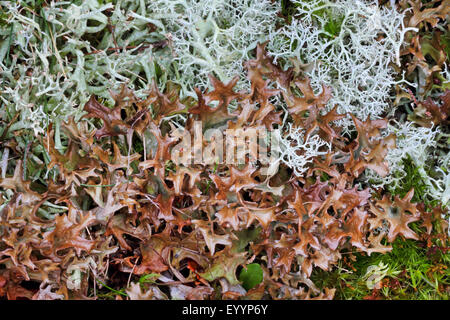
<point x="251" y="276"/>
<point x="334" y="24"/>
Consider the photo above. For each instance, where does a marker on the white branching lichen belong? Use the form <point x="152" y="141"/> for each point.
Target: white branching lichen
<point x="339" y="41"/>
<point x="297" y="152"/>
<point x="213" y="36"/>
<point x="65" y="67"/>
<point x="339" y="44"/>
<point x="419" y="145"/>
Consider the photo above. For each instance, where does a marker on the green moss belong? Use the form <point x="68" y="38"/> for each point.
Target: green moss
<point x="288" y="9"/>
<point x="333" y="25"/>
<point x="413" y="272"/>
<point x="413" y="179"/>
